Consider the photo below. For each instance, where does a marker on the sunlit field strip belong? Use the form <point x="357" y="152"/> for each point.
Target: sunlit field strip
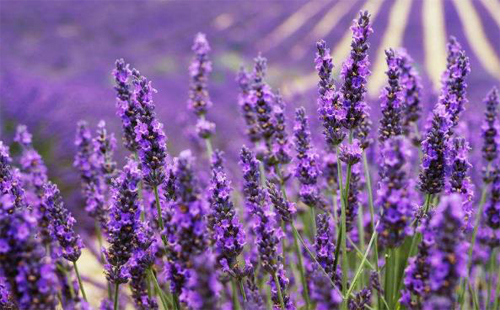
<point x="292" y="24"/>
<point x="393" y="37"/>
<point x="434" y="39"/>
<point x="493" y="7"/>
<point x="323" y="27"/>
<point x="474" y="31"/>
<point x="339" y="54"/>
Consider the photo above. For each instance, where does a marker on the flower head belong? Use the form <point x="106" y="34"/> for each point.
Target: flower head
<point x="10" y="183"/>
<point x="285" y="209"/>
<point x="355" y="72"/>
<point x="126" y="108"/>
<point x="492" y="207"/>
<point x="411" y="88"/>
<point x="351" y="153"/>
<point x="104" y="147"/>
<point x="330" y="107"/>
<point x="244" y="80"/>
<point x="261" y="98"/>
<point x="199" y="99"/>
<point x="61" y="223"/>
<point x="391" y="99"/>
<point x="491" y="127"/>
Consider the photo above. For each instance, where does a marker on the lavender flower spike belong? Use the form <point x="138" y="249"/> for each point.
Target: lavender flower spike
<point x="243" y="78"/>
<point x="285" y="209"/>
<point x="453" y="94"/>
<point x="355" y="72"/>
<point x="391" y="99"/>
<point x="202" y="289"/>
<point x="459" y="180"/>
<point x="325" y="249"/>
<point x="61" y="223"/>
<point x="229" y="235"/>
<point x="92" y="183"/>
<point x="150" y="138"/>
<point x="281" y="144"/>
<point x="261" y="98"/>
<point x="126" y="108"/>
<point x="330" y="108"/>
<point x="10" y="182"/>
<point x="104" y="147"/>
<point x="492" y="207"/>
<point x="491" y="127"/>
<point x="434" y="148"/>
<point x="448" y="256"/>
<point x="395" y="194"/>
<point x="199" y="100"/>
<point x="123" y="223"/>
<point x="412" y="88"/>
<point x="307" y="169"/>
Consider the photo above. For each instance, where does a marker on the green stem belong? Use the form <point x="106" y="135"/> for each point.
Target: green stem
<point x="278" y="288"/>
<point x="242" y="290"/>
<point x="177" y="304"/>
<point x="160" y="217"/>
<point x="208" y="143"/>
<point x="497" y="293"/>
<point x="115" y="304"/>
<point x="361" y="266"/>
<point x="361" y="230"/>
<point x="491" y="268"/>
<point x="166" y="305"/>
<point x="236" y="301"/>
<point x="80" y="282"/>
<point x="67" y="276"/>
<point x="389" y="276"/>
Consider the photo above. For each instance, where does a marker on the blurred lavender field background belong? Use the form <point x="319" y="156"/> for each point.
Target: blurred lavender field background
<point x="56" y="59"/>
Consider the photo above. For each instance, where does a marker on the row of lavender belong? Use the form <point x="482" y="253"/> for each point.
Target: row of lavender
<point x="337" y="246"/>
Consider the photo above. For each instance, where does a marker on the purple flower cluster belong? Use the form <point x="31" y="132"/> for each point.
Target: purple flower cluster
<point x="492" y="207"/>
<point x="458" y="179"/>
<point x="351" y="153"/>
<point x="126" y="108"/>
<point x="61" y="223"/>
<point x="355" y="72"/>
<point x="88" y="166"/>
<point x="199" y="100"/>
<point x="395" y="195"/>
<point x="228" y="233"/>
<point x="331" y="112"/>
<point x="261" y="99"/>
<point x="307" y="169"/>
<point x="490" y="130"/>
<point x="123" y="223"/>
<point x="280" y="148"/>
<point x="149" y="135"/>
<point x="10" y="182"/>
<point x="434" y="149"/>
<point x="391" y="99"/>
<point x="187" y="237"/>
<point x="243" y="78"/>
<point x="325" y="249"/>
<point x="104" y="147"/>
<point x="453" y="94"/>
<point x="285" y="209"/>
<point x="411" y="88"/>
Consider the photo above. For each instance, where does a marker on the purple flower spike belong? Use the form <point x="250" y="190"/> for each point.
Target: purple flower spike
<point x="448" y="255"/>
<point x="307" y="169"/>
<point x="492" y="207"/>
<point x="251" y="175"/>
<point x="395" y="193"/>
<point x="10" y="182"/>
<point x="92" y="183"/>
<point x="142" y="259"/>
<point x="123" y="223"/>
<point x="353" y="199"/>
<point x="61" y="223"/>
<point x="104" y="147"/>
<point x="351" y="153"/>
<point x="199" y="100"/>
<point x="203" y="287"/>
<point x="434" y="150"/>
<point x="187" y="238"/>
<point x="491" y="128"/>
<point x="281" y="143"/>
<point x="325" y="249"/>
<point x="286" y="210"/>
<point x="322" y="293"/>
<point x="391" y="99"/>
<point x="243" y="79"/>
<point x="412" y="88"/>
<point x="459" y="180"/>
<point x="150" y="138"/>
<point x="363" y="131"/>
<point x="355" y="72"/>
<point x="261" y="98"/>
<point x="330" y="108"/>
<point x="229" y="235"/>
<point x="453" y="93"/>
<point x="126" y="108"/>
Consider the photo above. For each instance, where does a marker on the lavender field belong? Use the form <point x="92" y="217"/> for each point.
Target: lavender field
<point x="250" y="155"/>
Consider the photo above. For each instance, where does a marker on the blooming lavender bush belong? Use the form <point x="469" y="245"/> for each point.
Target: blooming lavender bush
<point x="351" y="222"/>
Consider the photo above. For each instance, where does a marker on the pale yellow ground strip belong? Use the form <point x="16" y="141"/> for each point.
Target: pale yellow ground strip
<point x="340" y="53"/>
<point x="434" y="40"/>
<point x="493" y="7"/>
<point x="291" y="24"/>
<point x="476" y="36"/>
<point x="393" y="38"/>
<point x="329" y="21"/>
